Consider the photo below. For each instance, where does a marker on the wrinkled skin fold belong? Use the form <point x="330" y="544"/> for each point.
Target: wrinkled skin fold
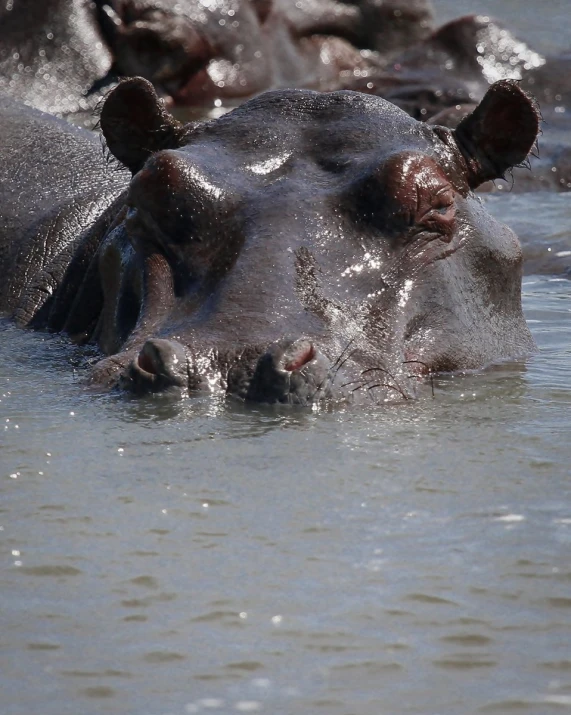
<point x="303" y="248"/>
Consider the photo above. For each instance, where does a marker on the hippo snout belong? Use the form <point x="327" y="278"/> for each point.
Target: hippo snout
<point x="160" y="365"/>
<point x="290" y="372"/>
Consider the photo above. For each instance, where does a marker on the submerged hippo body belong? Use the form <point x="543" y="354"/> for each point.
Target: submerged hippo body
<point x="54" y="183"/>
<point x="58" y="55"/>
<point x="303" y="247"/>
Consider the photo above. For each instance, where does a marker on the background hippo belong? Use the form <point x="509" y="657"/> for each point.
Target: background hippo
<point x="300" y="236"/>
<point x="57" y="55"/>
<point x="455" y="64"/>
<point x="443" y="77"/>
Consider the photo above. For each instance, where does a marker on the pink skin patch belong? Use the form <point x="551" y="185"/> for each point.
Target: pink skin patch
<point x="301" y="359"/>
<point x="146" y="363"/>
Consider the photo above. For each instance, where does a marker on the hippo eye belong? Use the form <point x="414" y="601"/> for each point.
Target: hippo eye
<point x="436" y="211"/>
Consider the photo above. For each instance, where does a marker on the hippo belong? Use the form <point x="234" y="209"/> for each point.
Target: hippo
<point x="454" y="65"/>
<point x="60" y="56"/>
<point x="305" y="247"/>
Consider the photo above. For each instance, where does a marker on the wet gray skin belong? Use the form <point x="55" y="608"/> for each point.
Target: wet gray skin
<point x="304" y="247"/>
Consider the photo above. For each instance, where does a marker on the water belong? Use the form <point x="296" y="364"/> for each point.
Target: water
<point x="207" y="557"/>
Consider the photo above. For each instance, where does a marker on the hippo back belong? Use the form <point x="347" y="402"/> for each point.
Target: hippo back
<point x="54" y="183"/>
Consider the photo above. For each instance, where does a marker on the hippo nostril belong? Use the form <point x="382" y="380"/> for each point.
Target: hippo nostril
<point x="159" y="364"/>
<point x="298" y="355"/>
<point x="146" y="362"/>
<point x="289" y="372"/>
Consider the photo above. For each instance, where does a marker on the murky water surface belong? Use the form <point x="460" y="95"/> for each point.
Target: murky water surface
<point x="214" y="558"/>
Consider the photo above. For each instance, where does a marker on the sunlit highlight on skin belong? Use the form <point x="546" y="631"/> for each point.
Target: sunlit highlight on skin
<point x="210" y="189"/>
<point x="266" y="167"/>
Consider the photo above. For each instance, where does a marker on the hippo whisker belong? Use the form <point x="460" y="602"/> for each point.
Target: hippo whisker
<point x="367" y="383"/>
<point x="343" y="353"/>
<point x="396" y="388"/>
<point x="334" y="369"/>
<point x="352" y="382"/>
<point x="429" y="371"/>
<point x="379" y="369"/>
<point x="341" y="365"/>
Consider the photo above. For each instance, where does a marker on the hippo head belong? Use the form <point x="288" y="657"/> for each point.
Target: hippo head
<point x="304" y="246"/>
<point x="191" y="50"/>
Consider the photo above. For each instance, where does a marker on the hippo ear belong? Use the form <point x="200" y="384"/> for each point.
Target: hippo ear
<point x="499" y="133"/>
<point x="135" y="123"/>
